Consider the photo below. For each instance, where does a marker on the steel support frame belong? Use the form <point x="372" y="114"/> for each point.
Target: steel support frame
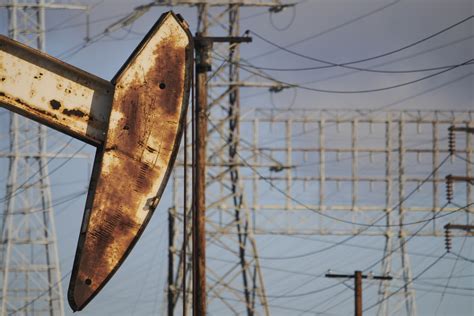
<point x="394" y="146"/>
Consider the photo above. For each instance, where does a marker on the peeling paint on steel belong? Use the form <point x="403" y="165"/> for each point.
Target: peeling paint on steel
<point x="131" y="170"/>
<point x="54" y="93"/>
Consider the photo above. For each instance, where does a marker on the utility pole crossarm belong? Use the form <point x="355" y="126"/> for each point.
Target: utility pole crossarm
<point x="358" y="276"/>
<point x="223" y="39"/>
<point x="54" y="93"/>
<point x="460" y="179"/>
<point x="467" y="228"/>
<point x="462" y="129"/>
<point x="364" y="276"/>
<point x="219" y="3"/>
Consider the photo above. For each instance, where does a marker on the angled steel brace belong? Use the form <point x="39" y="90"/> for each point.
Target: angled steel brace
<point x="135" y="122"/>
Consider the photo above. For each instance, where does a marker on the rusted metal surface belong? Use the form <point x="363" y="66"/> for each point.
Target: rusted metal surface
<point x="54" y="93"/>
<point x="131" y="170"/>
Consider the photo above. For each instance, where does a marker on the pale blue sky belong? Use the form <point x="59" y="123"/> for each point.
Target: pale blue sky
<point x="138" y="288"/>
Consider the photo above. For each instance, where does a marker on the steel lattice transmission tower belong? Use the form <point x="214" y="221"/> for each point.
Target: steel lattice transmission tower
<point x="30" y="271"/>
<point x="227" y="211"/>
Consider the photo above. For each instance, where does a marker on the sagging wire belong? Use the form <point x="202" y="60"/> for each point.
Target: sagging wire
<point x="22" y="187"/>
<point x="407" y="283"/>
<point x="331" y="29"/>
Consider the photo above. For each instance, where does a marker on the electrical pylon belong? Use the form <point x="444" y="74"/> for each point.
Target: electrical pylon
<point x="227" y="212"/>
<point x="30" y="270"/>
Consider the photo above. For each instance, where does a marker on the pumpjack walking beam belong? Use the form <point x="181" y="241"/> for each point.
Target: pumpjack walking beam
<point x="135" y="121"/>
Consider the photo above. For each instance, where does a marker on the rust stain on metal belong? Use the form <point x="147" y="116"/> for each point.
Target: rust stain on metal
<point x="20" y="102"/>
<point x="151" y="93"/>
<point x="75" y="112"/>
<point x="55" y="104"/>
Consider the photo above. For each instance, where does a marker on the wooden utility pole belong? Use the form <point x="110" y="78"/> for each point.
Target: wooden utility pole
<point x="199" y="215"/>
<point x="203" y="46"/>
<point x="358" y="276"/>
<point x="358" y="293"/>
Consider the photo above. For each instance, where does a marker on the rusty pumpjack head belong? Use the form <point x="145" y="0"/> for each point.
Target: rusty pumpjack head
<point x="132" y="167"/>
<point x="136" y="131"/>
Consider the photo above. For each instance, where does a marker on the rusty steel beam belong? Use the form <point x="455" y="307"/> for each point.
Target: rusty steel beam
<point x="54" y="93"/>
<point x="136" y="123"/>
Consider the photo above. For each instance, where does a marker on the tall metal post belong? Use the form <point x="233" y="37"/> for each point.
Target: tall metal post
<point x="408" y="290"/>
<point x="387" y="258"/>
<point x="30" y="272"/>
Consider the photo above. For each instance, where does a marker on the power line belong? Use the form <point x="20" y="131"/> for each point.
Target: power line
<point x="21" y="187"/>
<point x="338" y="219"/>
<point x="383" y="54"/>
<point x="399" y="247"/>
<point x="39" y="208"/>
<point x="60" y="27"/>
<point x="60" y="24"/>
<point x="462" y="257"/>
<point x="402" y="58"/>
<point x="300" y="86"/>
<point x="330" y="64"/>
<point x="445" y="287"/>
<point x="367" y="226"/>
<point x="331" y="29"/>
<point x="122" y="22"/>
<point x="452" y="277"/>
<point x="464" y="159"/>
<point x="291" y="85"/>
<point x="410" y="237"/>
<point x="24" y="186"/>
<point x="434" y="290"/>
<point x="352" y="222"/>
<point x="349" y="297"/>
<point x="386" y="105"/>
<point x="460" y="288"/>
<point x="319" y="290"/>
<point x="39" y="296"/>
<point x="406" y="283"/>
<point x="426" y="255"/>
<point x="387" y="71"/>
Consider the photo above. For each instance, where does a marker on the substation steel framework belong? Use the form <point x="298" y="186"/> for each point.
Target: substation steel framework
<point x="30" y="271"/>
<point x="358" y="166"/>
